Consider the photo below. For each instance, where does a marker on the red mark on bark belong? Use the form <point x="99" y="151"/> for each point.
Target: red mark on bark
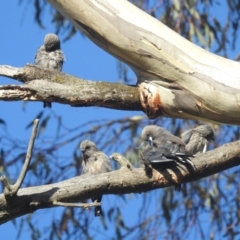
<point x="150" y="100"/>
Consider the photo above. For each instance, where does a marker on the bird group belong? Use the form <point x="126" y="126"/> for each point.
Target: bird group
<point x="161" y="148"/>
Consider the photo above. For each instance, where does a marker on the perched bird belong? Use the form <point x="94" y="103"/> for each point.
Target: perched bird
<point x="163" y="147"/>
<point x="196" y="139"/>
<point x="160" y="138"/>
<point x="50" y="55"/>
<point x="94" y="162"/>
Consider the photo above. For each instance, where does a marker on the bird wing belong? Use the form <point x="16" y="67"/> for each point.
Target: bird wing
<point x="56" y="59"/>
<point x="156" y="155"/>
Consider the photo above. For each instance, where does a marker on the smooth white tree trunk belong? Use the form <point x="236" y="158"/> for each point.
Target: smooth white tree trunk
<point x="176" y="77"/>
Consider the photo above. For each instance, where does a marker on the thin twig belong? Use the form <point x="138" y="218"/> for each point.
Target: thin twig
<point x="10" y="190"/>
<point x="5" y="182"/>
<point x="80" y="205"/>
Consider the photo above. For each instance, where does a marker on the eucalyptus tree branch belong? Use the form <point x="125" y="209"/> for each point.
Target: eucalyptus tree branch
<point x="176" y="77"/>
<point x="45" y="84"/>
<point x="79" y="205"/>
<point x="54" y="86"/>
<point x="121" y="181"/>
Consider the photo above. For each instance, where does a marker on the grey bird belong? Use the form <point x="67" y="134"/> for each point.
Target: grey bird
<point x="162" y="157"/>
<point x="159" y="137"/>
<point x="196" y="139"/>
<point x="163" y="148"/>
<point x="94" y="162"/>
<point x="50" y="55"/>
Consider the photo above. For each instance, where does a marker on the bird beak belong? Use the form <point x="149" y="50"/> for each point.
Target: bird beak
<point x="142" y="144"/>
<point x="150" y="141"/>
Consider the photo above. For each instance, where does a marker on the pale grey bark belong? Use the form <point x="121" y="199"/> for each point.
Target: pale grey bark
<point x="54" y="86"/>
<point x="177" y="78"/>
<point x="122" y="181"/>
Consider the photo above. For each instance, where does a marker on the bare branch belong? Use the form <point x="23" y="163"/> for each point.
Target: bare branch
<point x="121" y="181"/>
<point x="22" y="175"/>
<point x="79" y="205"/>
<point x="11" y="72"/>
<point x="54" y="86"/>
<point x="6" y="184"/>
<point x="176" y="78"/>
<point x="11" y="190"/>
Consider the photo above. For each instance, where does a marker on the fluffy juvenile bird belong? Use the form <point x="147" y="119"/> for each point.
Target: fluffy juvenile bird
<point x="94" y="162"/>
<point x="50" y="55"/>
<point x="196" y="139"/>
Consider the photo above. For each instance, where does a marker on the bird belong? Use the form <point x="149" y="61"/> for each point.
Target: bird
<point x="158" y="137"/>
<point x="50" y="55"/>
<point x="94" y="162"/>
<point x="196" y="139"/>
<point x="163" y="148"/>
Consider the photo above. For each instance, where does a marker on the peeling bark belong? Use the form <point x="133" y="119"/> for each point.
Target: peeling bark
<point x="121" y="181"/>
<point x="185" y="80"/>
<point x="175" y="77"/>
